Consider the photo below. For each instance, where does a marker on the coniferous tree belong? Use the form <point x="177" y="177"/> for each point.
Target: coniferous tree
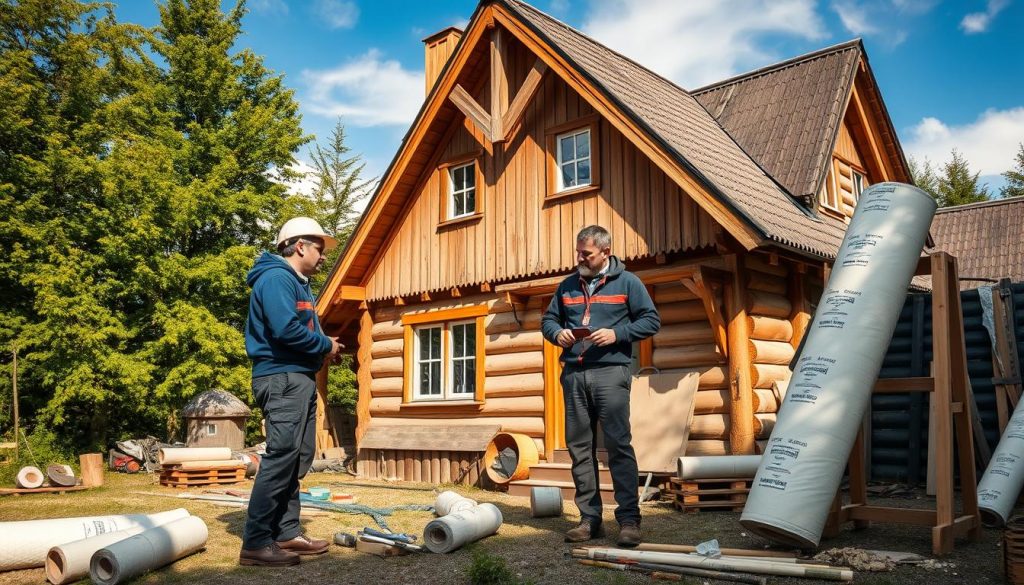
<point x="957" y="186"/>
<point x="1015" y="177"/>
<point x="923" y="175"/>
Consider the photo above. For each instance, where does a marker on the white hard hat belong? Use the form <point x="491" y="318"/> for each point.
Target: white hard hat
<point x="305" y="226"/>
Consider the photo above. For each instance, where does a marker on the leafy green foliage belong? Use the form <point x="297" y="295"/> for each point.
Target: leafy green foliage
<point x="488" y="569"/>
<point x="1015" y="177"/>
<point x="39" y="448"/>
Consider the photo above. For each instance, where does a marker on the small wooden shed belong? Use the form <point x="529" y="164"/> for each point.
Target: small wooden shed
<point x="215" y="418"/>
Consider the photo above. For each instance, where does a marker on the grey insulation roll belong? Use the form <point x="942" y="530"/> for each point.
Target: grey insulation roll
<point x="831" y="386"/>
<point x="449" y="501"/>
<point x="67" y="563"/>
<point x="29" y="477"/>
<point x="24" y="544"/>
<point x="175" y="455"/>
<point x="718" y="466"/>
<point x="450" y="532"/>
<point x="148" y="550"/>
<point x="1004" y="477"/>
<point x="545" y="501"/>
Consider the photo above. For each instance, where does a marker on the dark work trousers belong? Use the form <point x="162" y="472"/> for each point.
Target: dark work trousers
<point x="288" y="401"/>
<point x="595" y="394"/>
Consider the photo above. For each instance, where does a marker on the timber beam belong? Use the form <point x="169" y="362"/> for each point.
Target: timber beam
<point x="707" y="283"/>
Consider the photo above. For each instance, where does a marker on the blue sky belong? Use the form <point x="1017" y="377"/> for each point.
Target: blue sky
<point x="951" y="73"/>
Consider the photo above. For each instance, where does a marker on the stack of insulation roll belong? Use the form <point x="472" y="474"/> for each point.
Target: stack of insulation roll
<point x="189" y="466"/>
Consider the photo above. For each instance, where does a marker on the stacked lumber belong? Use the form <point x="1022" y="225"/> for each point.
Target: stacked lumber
<point x="695" y="495"/>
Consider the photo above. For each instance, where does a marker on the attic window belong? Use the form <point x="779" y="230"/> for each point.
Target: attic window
<point x="858" y="184"/>
<point x="461" y="180"/>
<point x="573" y="157"/>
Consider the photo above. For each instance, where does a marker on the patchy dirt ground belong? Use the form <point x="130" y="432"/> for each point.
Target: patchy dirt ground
<point x="533" y="548"/>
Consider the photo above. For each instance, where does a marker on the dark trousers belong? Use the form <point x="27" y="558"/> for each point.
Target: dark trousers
<point x="592" y="395"/>
<point x="288" y="401"/>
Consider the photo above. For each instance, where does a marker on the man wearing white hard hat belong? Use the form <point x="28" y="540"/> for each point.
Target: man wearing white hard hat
<point x="287" y="347"/>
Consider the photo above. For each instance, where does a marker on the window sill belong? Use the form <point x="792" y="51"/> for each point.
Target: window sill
<point x="444" y="405"/>
<point x="573" y="192"/>
<point x="465" y="219"/>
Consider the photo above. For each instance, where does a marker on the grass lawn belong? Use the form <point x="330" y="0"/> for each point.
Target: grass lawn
<point x="531" y="548"/>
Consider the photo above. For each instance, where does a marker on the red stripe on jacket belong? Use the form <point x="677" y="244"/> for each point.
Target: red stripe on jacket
<point x="303" y="306"/>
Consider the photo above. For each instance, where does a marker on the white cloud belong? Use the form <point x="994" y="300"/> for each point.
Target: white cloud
<point x="989" y="143"/>
<point x="914" y="6"/>
<point x="367" y="91"/>
<point x="269" y="7"/>
<point x="699" y="41"/>
<point x="337" y="13"/>
<point x="977" y="22"/>
<point x="854" y="18"/>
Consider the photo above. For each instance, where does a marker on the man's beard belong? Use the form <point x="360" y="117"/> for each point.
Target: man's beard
<point x="585" y="271"/>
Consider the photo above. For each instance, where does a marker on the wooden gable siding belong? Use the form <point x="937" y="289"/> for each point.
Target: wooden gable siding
<point x="521" y="234"/>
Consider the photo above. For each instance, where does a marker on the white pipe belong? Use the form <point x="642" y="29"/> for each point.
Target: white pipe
<point x="175" y="455"/>
<point x="454" y="530"/>
<point x="545" y="501"/>
<point x="831" y="387"/>
<point x="718" y="466"/>
<point x="147" y="551"/>
<point x="29" y="477"/>
<point x="739" y="565"/>
<point x="67" y="563"/>
<point x="449" y="501"/>
<point x="24" y="544"/>
<point x="1004" y="477"/>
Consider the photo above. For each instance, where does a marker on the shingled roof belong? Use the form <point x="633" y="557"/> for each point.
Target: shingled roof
<point x="675" y="118"/>
<point x="766" y="112"/>
<point x="987" y="238"/>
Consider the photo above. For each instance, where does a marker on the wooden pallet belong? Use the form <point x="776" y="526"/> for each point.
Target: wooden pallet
<point x="174" y="476"/>
<point x="695" y="495"/>
<point x="41" y="490"/>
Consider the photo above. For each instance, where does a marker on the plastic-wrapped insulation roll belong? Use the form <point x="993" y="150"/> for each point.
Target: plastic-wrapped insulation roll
<point x="449" y="532"/>
<point x="718" y="466"/>
<point x="175" y="455"/>
<point x="148" y="550"/>
<point x="29" y="477"/>
<point x="545" y="501"/>
<point x="449" y="501"/>
<point x="843" y="351"/>
<point x="24" y="544"/>
<point x="1004" y="477"/>
<point x="68" y="563"/>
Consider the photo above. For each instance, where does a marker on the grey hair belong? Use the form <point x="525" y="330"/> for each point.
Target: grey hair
<point x="289" y="246"/>
<point x="597" y="234"/>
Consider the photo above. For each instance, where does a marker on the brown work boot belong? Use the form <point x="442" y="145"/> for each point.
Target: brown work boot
<point x="304" y="545"/>
<point x="268" y="556"/>
<point x="629" y="535"/>
<point x="587" y="530"/>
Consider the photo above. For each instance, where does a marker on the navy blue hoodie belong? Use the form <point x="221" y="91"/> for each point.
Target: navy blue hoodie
<point x="282" y="333"/>
<point x="620" y="302"/>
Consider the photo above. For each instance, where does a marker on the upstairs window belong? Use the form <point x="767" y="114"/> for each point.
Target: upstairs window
<point x="461" y="190"/>
<point x="573" y="156"/>
<point x="859" y="184"/>
<point x="574" y="160"/>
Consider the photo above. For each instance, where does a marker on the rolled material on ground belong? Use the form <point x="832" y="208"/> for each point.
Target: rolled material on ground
<point x="718" y="467"/>
<point x="24" y="544"/>
<point x="448" y="533"/>
<point x="61" y="475"/>
<point x="29" y="477"/>
<point x="148" y="550"/>
<point x="217" y="463"/>
<point x="1004" y="477"/>
<point x="545" y="501"/>
<point x="759" y="567"/>
<point x="449" y="502"/>
<point x="68" y="563"/>
<point x="831" y="387"/>
<point x="173" y="456"/>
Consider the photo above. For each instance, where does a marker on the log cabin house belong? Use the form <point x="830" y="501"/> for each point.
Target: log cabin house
<point x="728" y="201"/>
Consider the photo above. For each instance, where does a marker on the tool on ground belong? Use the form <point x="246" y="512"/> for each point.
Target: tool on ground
<point x="345" y="539"/>
<point x="410" y="538"/>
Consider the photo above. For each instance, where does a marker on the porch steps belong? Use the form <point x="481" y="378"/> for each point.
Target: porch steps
<point x="522" y="488"/>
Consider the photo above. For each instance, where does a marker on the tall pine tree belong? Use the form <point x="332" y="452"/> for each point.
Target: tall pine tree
<point x="957" y="186"/>
<point x="1015" y="176"/>
<point x="923" y="175"/>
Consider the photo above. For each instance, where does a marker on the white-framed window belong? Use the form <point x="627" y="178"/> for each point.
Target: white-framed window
<point x="211" y="430"/>
<point x="461" y="190"/>
<point x="573" y="159"/>
<point x="445" y="361"/>
<point x="859" y="184"/>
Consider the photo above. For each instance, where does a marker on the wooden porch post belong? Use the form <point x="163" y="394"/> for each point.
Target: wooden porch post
<point x="741" y="407"/>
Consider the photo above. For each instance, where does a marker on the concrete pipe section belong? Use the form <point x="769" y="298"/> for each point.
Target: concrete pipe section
<point x="831" y="387"/>
<point x="454" y="530"/>
<point x="24" y="544"/>
<point x="146" y="551"/>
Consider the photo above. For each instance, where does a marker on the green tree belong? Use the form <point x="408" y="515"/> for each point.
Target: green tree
<point x="924" y="176"/>
<point x="957" y="186"/>
<point x="1015" y="177"/>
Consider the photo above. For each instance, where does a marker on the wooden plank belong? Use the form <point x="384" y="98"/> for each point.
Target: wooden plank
<point x="423" y="437"/>
<point x="499" y="83"/>
<point x="473" y="111"/>
<point x="523" y="97"/>
<point x="41" y="490"/>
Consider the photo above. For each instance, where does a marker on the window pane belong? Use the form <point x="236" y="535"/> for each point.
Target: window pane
<point x="568" y="175"/>
<point x="568" y="151"/>
<point x="424" y="378"/>
<point x="469" y="177"/>
<point x="470" y="206"/>
<point x="470" y="375"/>
<point x="458" y="340"/>
<point x="458" y="206"/>
<point x="458" y="179"/>
<point x="583" y="171"/>
<point x="458" y="380"/>
<point x="435" y="343"/>
<point x="583" y="144"/>
<point x="435" y="378"/>
<point x="424" y="335"/>
<point x="470" y="339"/>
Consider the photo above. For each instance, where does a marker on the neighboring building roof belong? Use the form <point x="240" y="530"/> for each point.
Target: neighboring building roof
<point x="766" y="111"/>
<point x="987" y="238"/>
<point x="215" y="404"/>
<point x="674" y="117"/>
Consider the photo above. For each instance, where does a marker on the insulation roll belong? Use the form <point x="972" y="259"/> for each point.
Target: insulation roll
<point x="29" y="477"/>
<point x="545" y="501"/>
<point x="831" y="386"/>
<point x="61" y="475"/>
<point x="449" y="501"/>
<point x="173" y="456"/>
<point x="1004" y="477"/>
<point x="24" y="544"/>
<point x="148" y="550"/>
<point x="448" y="533"/>
<point x="67" y="563"/>
<point x="718" y="467"/>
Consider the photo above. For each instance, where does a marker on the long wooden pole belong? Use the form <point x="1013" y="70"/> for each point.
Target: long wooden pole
<point x="14" y="392"/>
